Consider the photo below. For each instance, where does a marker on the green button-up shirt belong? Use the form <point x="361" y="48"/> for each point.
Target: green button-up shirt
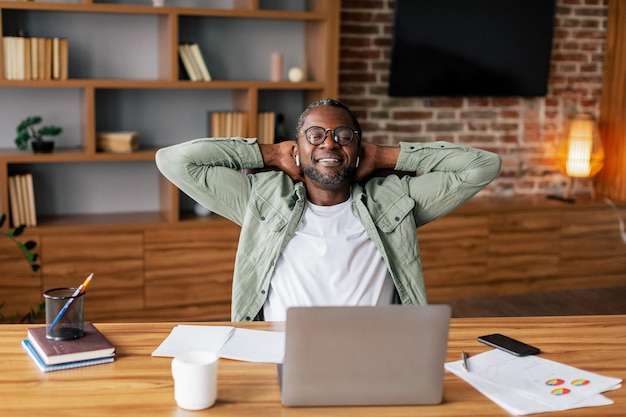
<point x="270" y="205"/>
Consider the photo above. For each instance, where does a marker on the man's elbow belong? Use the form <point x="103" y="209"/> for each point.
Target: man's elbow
<point x="494" y="165"/>
<point x="486" y="170"/>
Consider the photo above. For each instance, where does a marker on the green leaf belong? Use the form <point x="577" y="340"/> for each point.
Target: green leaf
<point x="49" y="130"/>
<point x="18" y="230"/>
<point x="28" y="122"/>
<point x="21" y="141"/>
<point x="25" y="247"/>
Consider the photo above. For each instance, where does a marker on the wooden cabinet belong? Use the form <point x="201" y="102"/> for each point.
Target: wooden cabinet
<point x="116" y="258"/>
<point x="156" y="272"/>
<point x="124" y="75"/>
<point x="191" y="270"/>
<point x="183" y="272"/>
<point x="493" y="247"/>
<point x="20" y="289"/>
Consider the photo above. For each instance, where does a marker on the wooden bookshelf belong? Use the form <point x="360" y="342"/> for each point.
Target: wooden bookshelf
<point x="140" y="219"/>
<point x="317" y="23"/>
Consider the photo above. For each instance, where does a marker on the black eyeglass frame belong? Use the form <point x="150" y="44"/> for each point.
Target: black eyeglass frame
<point x="336" y="138"/>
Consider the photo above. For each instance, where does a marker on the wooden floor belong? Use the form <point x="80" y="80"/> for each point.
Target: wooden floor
<point x="562" y="303"/>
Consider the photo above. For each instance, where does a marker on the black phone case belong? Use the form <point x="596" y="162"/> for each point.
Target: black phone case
<point x="509" y="345"/>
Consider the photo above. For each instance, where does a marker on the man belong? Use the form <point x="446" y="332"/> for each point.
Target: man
<point x="311" y="233"/>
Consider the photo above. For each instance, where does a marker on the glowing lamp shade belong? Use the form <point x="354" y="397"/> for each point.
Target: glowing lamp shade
<point x="580" y="153"/>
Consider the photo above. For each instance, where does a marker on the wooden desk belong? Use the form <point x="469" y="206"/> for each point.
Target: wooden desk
<point x="140" y="385"/>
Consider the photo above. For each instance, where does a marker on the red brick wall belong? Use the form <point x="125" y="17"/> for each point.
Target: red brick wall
<point x="524" y="131"/>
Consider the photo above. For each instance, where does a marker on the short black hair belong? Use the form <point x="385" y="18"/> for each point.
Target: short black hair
<point x="327" y="102"/>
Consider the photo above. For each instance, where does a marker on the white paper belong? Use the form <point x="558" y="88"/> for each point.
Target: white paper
<point x="226" y="342"/>
<point x="532" y="384"/>
<point x="255" y="346"/>
<point x="185" y="338"/>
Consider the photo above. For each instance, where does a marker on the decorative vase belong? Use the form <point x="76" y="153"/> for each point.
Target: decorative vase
<point x="42" y="146"/>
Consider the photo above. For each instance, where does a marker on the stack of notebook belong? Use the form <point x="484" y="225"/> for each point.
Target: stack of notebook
<point x="49" y="355"/>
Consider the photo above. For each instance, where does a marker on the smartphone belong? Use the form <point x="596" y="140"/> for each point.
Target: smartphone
<point x="508" y="344"/>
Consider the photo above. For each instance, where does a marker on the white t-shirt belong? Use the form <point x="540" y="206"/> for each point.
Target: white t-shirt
<point x="329" y="261"/>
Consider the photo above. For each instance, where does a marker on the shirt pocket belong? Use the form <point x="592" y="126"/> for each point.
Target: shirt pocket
<point x="264" y="232"/>
<point x="398" y="230"/>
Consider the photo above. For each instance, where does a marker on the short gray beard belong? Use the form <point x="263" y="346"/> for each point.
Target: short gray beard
<point x="315" y="175"/>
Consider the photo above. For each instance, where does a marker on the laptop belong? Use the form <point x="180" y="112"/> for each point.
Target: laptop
<point x="362" y="356"/>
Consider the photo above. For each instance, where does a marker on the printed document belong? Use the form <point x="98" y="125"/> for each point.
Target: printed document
<point x="530" y="384"/>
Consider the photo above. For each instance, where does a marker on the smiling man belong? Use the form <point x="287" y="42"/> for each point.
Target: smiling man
<point x="322" y="228"/>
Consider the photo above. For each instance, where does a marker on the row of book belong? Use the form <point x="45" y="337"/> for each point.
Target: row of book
<point x="235" y="124"/>
<point x="50" y="355"/>
<point x="22" y="200"/>
<point x="193" y="62"/>
<point x="31" y="58"/>
<point x="229" y="124"/>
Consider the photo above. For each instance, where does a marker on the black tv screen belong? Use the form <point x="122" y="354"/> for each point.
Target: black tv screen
<point x="465" y="48"/>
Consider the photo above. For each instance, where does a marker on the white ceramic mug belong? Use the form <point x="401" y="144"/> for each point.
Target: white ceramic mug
<point x="195" y="380"/>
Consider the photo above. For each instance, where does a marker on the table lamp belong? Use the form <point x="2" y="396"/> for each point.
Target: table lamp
<point x="579" y="153"/>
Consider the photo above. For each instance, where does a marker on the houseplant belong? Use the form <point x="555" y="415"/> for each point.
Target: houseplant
<point x="27" y="131"/>
<point x="35" y="313"/>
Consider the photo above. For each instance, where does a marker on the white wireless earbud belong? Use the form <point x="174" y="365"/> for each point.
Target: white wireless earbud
<point x="297" y="160"/>
<point x="357" y="162"/>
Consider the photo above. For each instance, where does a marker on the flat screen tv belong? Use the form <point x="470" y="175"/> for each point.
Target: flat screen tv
<point x="465" y="48"/>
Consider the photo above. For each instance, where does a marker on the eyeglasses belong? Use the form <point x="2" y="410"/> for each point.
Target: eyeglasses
<point x="316" y="135"/>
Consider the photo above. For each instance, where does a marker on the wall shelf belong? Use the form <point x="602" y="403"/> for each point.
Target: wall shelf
<point x="104" y="92"/>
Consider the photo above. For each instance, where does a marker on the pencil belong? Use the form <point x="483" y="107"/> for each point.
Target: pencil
<point x="70" y="302"/>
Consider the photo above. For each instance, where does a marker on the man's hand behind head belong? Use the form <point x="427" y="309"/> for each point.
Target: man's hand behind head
<point x="281" y="156"/>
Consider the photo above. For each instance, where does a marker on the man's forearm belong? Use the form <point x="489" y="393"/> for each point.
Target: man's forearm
<point x="473" y="165"/>
<point x="387" y="157"/>
<point x="270" y="155"/>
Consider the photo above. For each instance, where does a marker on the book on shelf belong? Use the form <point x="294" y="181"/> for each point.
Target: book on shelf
<point x="93" y="345"/>
<point x="18" y="51"/>
<point x="43" y="367"/>
<point x="117" y="142"/>
<point x="41" y="58"/>
<point x="56" y="59"/>
<point x="185" y="56"/>
<point x="266" y="122"/>
<point x="64" y="58"/>
<point x="29" y="197"/>
<point x="228" y="124"/>
<point x="6" y="53"/>
<point x="193" y="62"/>
<point x="27" y="64"/>
<point x="199" y="62"/>
<point x="22" y="200"/>
<point x="34" y="58"/>
<point x="16" y="218"/>
<point x="47" y="59"/>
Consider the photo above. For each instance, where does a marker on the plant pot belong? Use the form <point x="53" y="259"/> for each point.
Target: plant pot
<point x="42" y="146"/>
